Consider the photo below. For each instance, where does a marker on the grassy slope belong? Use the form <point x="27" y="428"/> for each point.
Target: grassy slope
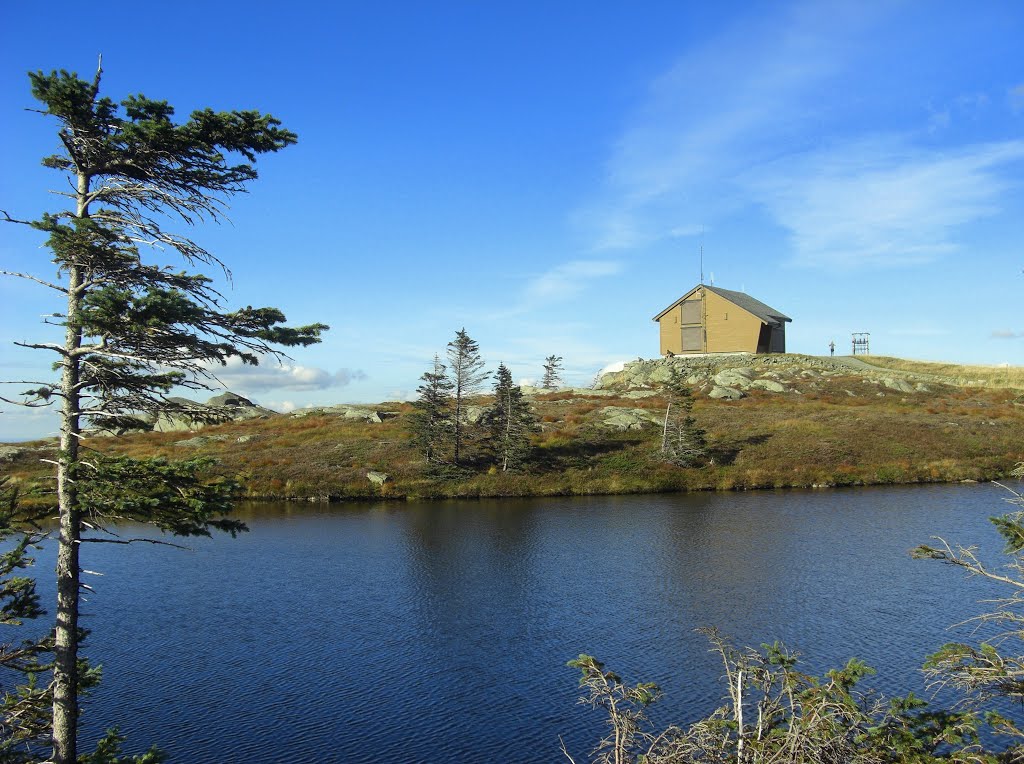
<point x="849" y="431"/>
<point x="984" y="376"/>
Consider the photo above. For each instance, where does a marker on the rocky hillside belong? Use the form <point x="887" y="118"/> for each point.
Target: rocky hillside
<point x="771" y="421"/>
<point x="725" y="377"/>
<point x="730" y="377"/>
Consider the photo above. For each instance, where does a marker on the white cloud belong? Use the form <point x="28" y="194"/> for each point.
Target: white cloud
<point x="401" y="394"/>
<point x="1006" y="334"/>
<point x="879" y="202"/>
<point x="739" y="124"/>
<point x="285" y="407"/>
<point x="18" y="423"/>
<point x="720" y="109"/>
<point x="569" y="279"/>
<point x="272" y="375"/>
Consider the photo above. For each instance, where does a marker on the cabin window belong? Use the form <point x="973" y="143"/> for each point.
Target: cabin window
<point x="690" y="311"/>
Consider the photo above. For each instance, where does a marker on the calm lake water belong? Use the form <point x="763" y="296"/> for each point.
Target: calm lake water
<point x="439" y="632"/>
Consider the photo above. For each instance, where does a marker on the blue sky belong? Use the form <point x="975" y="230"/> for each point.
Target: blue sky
<point x="541" y="174"/>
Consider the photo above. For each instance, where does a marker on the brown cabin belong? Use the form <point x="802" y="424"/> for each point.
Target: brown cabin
<point x="708" y="319"/>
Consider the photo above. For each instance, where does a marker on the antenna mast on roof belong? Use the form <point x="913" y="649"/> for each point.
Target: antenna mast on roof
<point x="702" y="255"/>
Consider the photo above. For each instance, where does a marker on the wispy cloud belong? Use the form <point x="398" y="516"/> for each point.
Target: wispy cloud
<point x="1006" y="334"/>
<point x="967" y="106"/>
<point x="741" y="124"/>
<point x="880" y="202"/>
<point x="717" y="111"/>
<point x="683" y="231"/>
<point x="27" y="423"/>
<point x="282" y="376"/>
<point x="285" y="407"/>
<point x="569" y="279"/>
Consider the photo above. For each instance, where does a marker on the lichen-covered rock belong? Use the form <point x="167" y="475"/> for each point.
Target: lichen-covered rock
<point x="377" y="478"/>
<point x="740" y="378"/>
<point x="225" y="407"/>
<point x="616" y="418"/>
<point x="898" y="384"/>
<point x="362" y="413"/>
<point x="768" y="384"/>
<point x="725" y="393"/>
<point x="737" y="371"/>
<point x="230" y="399"/>
<point x="348" y="411"/>
<point x="660" y="374"/>
<point x="10" y="453"/>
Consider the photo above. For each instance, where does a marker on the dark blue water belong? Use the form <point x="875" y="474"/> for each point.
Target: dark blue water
<point x="439" y="632"/>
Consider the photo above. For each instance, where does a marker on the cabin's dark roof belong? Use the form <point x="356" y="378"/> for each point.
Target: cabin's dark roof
<point x="743" y="300"/>
<point x="766" y="313"/>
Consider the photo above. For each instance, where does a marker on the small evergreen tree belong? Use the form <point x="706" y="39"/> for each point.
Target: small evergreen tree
<point x="465" y="368"/>
<point x="509" y="423"/>
<point x="552" y="372"/>
<point x="25" y="707"/>
<point x="431" y="422"/>
<point x="778" y="713"/>
<point x="991" y="672"/>
<point x="683" y="442"/>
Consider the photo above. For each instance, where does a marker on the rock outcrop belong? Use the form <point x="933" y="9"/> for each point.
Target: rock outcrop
<point x="10" y="453"/>
<point x="225" y="407"/>
<point x="616" y="418"/>
<point x="725" y="393"/>
<point x="377" y="478"/>
<point x="371" y="414"/>
<point x="731" y="376"/>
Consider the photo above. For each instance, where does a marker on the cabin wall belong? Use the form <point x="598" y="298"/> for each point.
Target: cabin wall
<point x="730" y="329"/>
<point x="671" y="331"/>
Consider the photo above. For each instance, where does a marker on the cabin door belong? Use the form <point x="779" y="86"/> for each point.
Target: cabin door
<point x="692" y="336"/>
<point x="764" y="339"/>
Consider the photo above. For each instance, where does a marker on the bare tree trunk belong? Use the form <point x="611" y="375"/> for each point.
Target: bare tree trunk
<point x="739" y="716"/>
<point x="508" y="432"/>
<point x="65" y="669"/>
<point x="664" y="431"/>
<point x="458" y="424"/>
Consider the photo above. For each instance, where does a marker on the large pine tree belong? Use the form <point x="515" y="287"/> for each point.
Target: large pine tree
<point x="135" y="329"/>
<point x="466" y="371"/>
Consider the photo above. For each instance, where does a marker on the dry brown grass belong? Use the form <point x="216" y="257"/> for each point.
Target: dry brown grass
<point x="986" y="376"/>
<point x="822" y="437"/>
